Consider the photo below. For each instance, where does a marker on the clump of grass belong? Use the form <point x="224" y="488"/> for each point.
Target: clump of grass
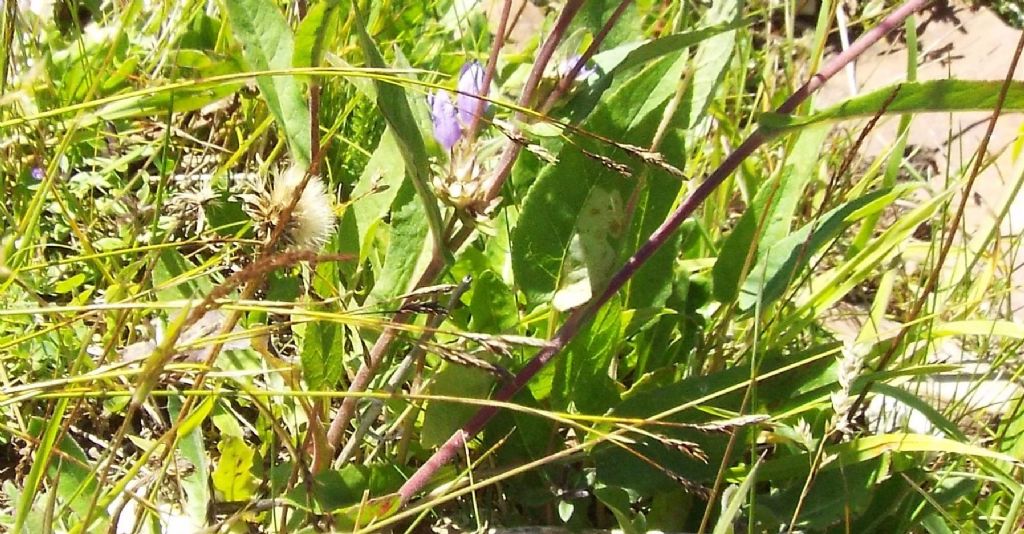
<point x="614" y="308"/>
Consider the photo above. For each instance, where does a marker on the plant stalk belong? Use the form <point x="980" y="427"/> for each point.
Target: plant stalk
<point x="582" y="315"/>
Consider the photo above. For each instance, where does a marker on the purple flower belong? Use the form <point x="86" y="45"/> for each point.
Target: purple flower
<point x="38" y="173"/>
<point x="471" y="82"/>
<point x="444" y="116"/>
<point x="567" y="64"/>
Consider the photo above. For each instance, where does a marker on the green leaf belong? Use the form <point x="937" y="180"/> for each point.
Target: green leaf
<point x="573" y="223"/>
<point x="713" y="56"/>
<point x="174" y="278"/>
<point x="197" y="483"/>
<point x="320" y="22"/>
<point x="69" y="284"/>
<point x="394" y="105"/>
<point x="617" y="500"/>
<point x="492" y="304"/>
<point x="73" y="477"/>
<point x="441" y="419"/>
<point x="323" y="355"/>
<point x="837" y="282"/>
<point x="910" y="97"/>
<point x="377" y="185"/>
<point x="406" y="243"/>
<point x="780" y="196"/>
<point x="581" y="374"/>
<point x="934" y="417"/>
<point x="233" y="477"/>
<point x="267" y="44"/>
<point x="632" y="55"/>
<point x="864" y="449"/>
<point x="162" y="102"/>
<point x="724" y="525"/>
<point x="783" y="262"/>
<point x="835" y="494"/>
<point x="282" y="286"/>
<point x="651" y="286"/>
<point x="334" y="490"/>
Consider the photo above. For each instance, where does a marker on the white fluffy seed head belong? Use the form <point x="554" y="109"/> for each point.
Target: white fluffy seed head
<point x="312" y="221"/>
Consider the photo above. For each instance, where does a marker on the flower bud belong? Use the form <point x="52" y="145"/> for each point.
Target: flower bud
<point x="471" y="82"/>
<point x="443" y="116"/>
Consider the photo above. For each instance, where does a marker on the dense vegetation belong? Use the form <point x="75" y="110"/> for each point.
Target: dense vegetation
<point x="260" y="261"/>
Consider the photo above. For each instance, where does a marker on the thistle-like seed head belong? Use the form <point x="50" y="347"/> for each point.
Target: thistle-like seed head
<point x="312" y="221"/>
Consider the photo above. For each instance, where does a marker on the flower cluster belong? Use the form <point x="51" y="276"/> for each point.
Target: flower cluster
<point x="460" y="184"/>
<point x="452" y="119"/>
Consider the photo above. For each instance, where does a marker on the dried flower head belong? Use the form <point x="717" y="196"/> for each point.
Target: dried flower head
<point x="186" y="207"/>
<point x="312" y="220"/>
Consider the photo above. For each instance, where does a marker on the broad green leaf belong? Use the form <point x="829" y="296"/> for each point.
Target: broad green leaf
<point x="834" y="495"/>
<point x="69" y="284"/>
<point x="864" y="449"/>
<point x="616" y="467"/>
<point x="573" y="222"/>
<point x="632" y="55"/>
<point x="721" y="392"/>
<point x="910" y="97"/>
<point x="651" y="286"/>
<point x="334" y="490"/>
<point x="282" y="286"/>
<point x="267" y="44"/>
<point x="233" y="477"/>
<point x="175" y="278"/>
<point x="780" y="196"/>
<point x="783" y="262"/>
<point x="319" y="24"/>
<point x="595" y="13"/>
<point x="619" y="63"/>
<point x="492" y="304"/>
<point x="378" y="184"/>
<point x="323" y="355"/>
<point x="394" y="105"/>
<point x="441" y="419"/>
<point x="407" y="241"/>
<point x="617" y="500"/>
<point x="581" y="373"/>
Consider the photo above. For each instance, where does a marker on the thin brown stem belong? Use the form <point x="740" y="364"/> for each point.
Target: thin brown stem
<point x="368" y="369"/>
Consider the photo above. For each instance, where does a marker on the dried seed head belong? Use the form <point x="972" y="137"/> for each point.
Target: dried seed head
<point x="312" y="221"/>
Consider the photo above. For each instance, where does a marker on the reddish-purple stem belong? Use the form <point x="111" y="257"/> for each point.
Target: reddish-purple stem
<point x="568" y="330"/>
<point x="511" y="152"/>
<point x="492" y="64"/>
<point x="566" y="82"/>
